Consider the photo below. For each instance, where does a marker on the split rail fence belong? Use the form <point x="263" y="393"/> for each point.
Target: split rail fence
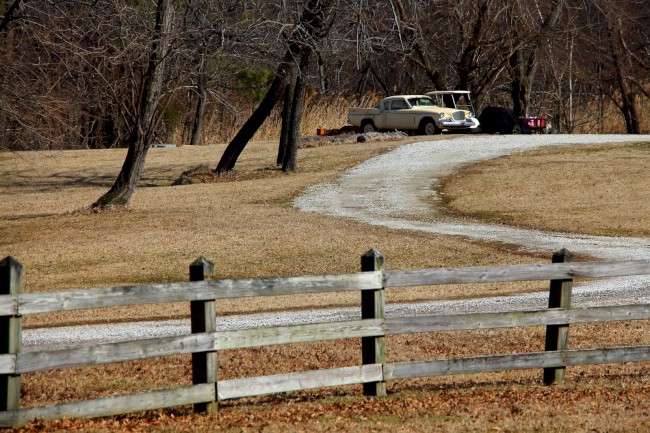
<point x="205" y="340"/>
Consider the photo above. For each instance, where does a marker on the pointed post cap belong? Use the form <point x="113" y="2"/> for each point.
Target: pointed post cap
<point x="372" y="260"/>
<point x="562" y="256"/>
<point x="201" y="269"/>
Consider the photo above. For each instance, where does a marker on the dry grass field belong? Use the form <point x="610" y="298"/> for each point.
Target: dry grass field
<point x="599" y="190"/>
<point x="245" y="224"/>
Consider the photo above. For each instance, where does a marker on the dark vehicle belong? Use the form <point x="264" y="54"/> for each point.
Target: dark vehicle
<point x="499" y="120"/>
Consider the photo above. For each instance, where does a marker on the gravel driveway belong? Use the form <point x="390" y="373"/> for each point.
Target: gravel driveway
<point x="381" y="190"/>
<point x="403" y="181"/>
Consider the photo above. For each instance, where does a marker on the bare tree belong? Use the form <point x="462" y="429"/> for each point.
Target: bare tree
<point x="32" y="103"/>
<point x="621" y="30"/>
<point x="473" y="55"/>
<point x="531" y="28"/>
<point x="213" y="34"/>
<point x="310" y="29"/>
<point x="78" y="74"/>
<point x="603" y="63"/>
<point x="147" y="114"/>
<point x="73" y="74"/>
<point x="9" y="12"/>
<point x="411" y="32"/>
<point x="294" y="102"/>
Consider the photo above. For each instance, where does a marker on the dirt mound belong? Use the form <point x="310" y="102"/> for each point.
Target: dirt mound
<point x="206" y="174"/>
<point x="348" y="138"/>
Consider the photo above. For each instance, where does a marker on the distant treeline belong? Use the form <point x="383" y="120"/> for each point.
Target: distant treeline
<point x="73" y="74"/>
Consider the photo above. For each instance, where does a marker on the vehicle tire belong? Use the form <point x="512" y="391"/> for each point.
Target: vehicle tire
<point x="428" y="127"/>
<point x="367" y="126"/>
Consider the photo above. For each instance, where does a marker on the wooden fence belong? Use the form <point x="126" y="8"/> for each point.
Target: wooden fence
<point x="205" y="340"/>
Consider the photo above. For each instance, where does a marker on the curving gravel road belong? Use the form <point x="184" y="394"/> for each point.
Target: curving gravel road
<point x="402" y="182"/>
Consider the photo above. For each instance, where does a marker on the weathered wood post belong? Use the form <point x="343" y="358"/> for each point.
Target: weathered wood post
<point x="557" y="335"/>
<point x="11" y="283"/>
<point x="373" y="349"/>
<point x="204" y="319"/>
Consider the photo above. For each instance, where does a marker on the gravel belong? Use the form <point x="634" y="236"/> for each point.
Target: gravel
<point x="403" y="182"/>
<point x="382" y="189"/>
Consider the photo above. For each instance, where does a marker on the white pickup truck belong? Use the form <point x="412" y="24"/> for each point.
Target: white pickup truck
<point x="411" y="113"/>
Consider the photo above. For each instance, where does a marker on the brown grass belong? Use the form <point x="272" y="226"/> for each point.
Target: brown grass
<point x="612" y="398"/>
<point x="600" y="190"/>
<point x="602" y="116"/>
<point x="248" y="228"/>
<point x="329" y="112"/>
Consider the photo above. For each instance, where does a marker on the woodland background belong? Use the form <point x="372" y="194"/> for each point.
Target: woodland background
<point x="74" y="74"/>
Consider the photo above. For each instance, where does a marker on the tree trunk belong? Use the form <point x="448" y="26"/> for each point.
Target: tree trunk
<point x="524" y="67"/>
<point x="124" y="186"/>
<point x="202" y="79"/>
<point x="312" y="29"/>
<point x="628" y="108"/>
<point x="363" y="80"/>
<point x="246" y="132"/>
<point x="290" y="161"/>
<point x="422" y="59"/>
<point x="467" y="62"/>
<point x="3" y="128"/>
<point x="628" y="98"/>
<point x="8" y="14"/>
<point x="144" y="124"/>
<point x="287" y="106"/>
<point x="522" y="79"/>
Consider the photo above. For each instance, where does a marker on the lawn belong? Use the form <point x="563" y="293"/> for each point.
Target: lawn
<point x="246" y="225"/>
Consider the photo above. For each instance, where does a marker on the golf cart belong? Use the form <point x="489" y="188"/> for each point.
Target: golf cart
<point x="457" y="99"/>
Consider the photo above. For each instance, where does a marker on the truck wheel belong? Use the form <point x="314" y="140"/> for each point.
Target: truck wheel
<point x="428" y="127"/>
<point x="368" y="126"/>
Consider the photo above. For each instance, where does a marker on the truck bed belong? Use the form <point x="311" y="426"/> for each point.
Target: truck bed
<point x="360" y="110"/>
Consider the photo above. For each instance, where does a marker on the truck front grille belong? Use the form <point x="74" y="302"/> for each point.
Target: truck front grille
<point x="458" y="115"/>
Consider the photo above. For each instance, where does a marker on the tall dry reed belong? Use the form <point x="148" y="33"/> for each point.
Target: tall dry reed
<point x="602" y="116"/>
<point x="329" y="112"/>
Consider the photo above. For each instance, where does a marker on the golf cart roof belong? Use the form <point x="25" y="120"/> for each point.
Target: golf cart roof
<point x="447" y="92"/>
<point x="390" y="98"/>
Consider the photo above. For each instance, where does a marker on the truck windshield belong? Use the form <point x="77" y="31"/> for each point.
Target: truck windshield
<point x="421" y="102"/>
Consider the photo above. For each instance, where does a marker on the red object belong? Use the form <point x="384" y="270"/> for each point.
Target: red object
<point x="535" y="122"/>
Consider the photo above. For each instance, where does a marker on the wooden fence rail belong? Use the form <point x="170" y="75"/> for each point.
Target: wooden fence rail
<point x="204" y="341"/>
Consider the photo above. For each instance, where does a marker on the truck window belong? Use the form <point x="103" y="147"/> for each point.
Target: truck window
<point x="398" y="104"/>
<point x="421" y="102"/>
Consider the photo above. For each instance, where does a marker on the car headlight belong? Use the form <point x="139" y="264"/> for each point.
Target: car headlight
<point x="441" y="116"/>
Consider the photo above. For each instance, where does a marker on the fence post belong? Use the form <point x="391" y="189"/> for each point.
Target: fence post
<point x="373" y="349"/>
<point x="11" y="283"/>
<point x="557" y="335"/>
<point x="204" y="319"/>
